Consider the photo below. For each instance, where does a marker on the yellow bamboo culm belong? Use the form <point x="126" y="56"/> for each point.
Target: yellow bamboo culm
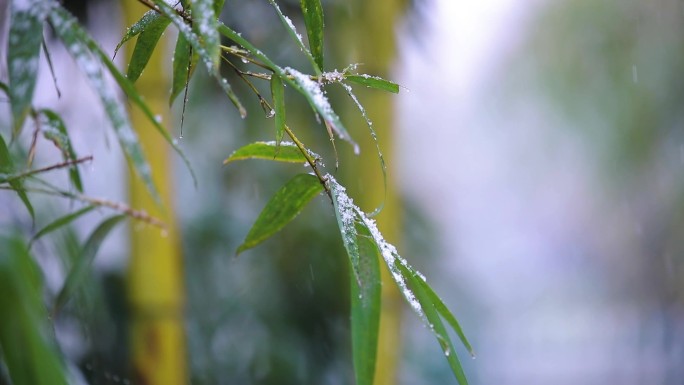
<point x="155" y="276"/>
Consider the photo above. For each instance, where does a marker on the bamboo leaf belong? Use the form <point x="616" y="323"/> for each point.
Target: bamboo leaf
<point x="85" y="259"/>
<point x="79" y="45"/>
<point x="183" y="66"/>
<point x="149" y="18"/>
<point x="23" y="54"/>
<point x="205" y="25"/>
<point x="30" y="356"/>
<point x="144" y="47"/>
<point x="54" y="130"/>
<point x="346" y="216"/>
<point x="296" y="36"/>
<point x="365" y="309"/>
<point x="435" y="323"/>
<point x="282" y="208"/>
<point x="313" y="18"/>
<point x="218" y="7"/>
<point x="374" y="82"/>
<point x="7" y="167"/>
<point x="286" y="152"/>
<point x="278" y="94"/>
<point x="61" y="221"/>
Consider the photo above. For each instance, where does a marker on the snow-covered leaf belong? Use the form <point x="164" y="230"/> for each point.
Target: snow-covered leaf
<point x="54" y="130"/>
<point x="278" y="94"/>
<point x="282" y="208"/>
<point x="374" y="82"/>
<point x="144" y="47"/>
<point x="296" y="36"/>
<point x="23" y="54"/>
<point x="313" y="18"/>
<point x="345" y="212"/>
<point x="205" y="24"/>
<point x="286" y="152"/>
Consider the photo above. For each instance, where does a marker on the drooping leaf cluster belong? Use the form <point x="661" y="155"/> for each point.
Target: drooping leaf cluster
<point x="200" y="43"/>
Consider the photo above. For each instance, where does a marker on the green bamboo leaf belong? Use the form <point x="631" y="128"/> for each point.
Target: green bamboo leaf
<point x="207" y="55"/>
<point x="54" y="130"/>
<point x="365" y="309"/>
<point x="23" y="54"/>
<point x="218" y="7"/>
<point x="61" y="221"/>
<point x="149" y="18"/>
<point x="79" y="45"/>
<point x="278" y="94"/>
<point x="144" y="47"/>
<point x="435" y="324"/>
<point x="283" y="207"/>
<point x="346" y="215"/>
<point x="285" y="152"/>
<point x="7" y="167"/>
<point x="374" y="82"/>
<point x="205" y="25"/>
<point x="295" y="36"/>
<point x="313" y="18"/>
<point x="4" y="88"/>
<point x="82" y="264"/>
<point x="183" y="67"/>
<point x="30" y="355"/>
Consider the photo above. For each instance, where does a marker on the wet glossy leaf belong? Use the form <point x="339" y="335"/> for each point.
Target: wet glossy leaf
<point x="286" y="152"/>
<point x="282" y="208"/>
<point x="144" y="47"/>
<point x="365" y="308"/>
<point x="54" y="129"/>
<point x="30" y="355"/>
<point x="149" y="18"/>
<point x="79" y="46"/>
<point x="313" y="18"/>
<point x="183" y="67"/>
<point x="7" y="167"/>
<point x="83" y="262"/>
<point x="23" y="54"/>
<point x="374" y="82"/>
<point x="61" y="221"/>
<point x="278" y="94"/>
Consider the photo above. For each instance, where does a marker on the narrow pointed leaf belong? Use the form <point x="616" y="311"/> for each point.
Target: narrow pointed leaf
<point x="76" y="40"/>
<point x="218" y="7"/>
<point x="313" y="18"/>
<point x="282" y="208"/>
<point x="149" y="18"/>
<point x="83" y="262"/>
<point x="54" y="130"/>
<point x="144" y="47"/>
<point x="436" y="325"/>
<point x="61" y="221"/>
<point x="205" y="25"/>
<point x="278" y="94"/>
<point x="207" y="56"/>
<point x="286" y="152"/>
<point x="296" y="36"/>
<point x="183" y="66"/>
<point x="365" y="309"/>
<point x="64" y="17"/>
<point x="23" y="54"/>
<point x="4" y="88"/>
<point x="7" y="167"/>
<point x="28" y="352"/>
<point x="374" y="82"/>
<point x="346" y="221"/>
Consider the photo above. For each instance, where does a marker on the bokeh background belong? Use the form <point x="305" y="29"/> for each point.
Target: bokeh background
<point x="537" y="153"/>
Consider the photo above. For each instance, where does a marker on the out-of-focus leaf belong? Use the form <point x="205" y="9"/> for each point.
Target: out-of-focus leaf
<point x="149" y="18"/>
<point x="205" y="25"/>
<point x="286" y="152"/>
<point x="7" y="167"/>
<point x="374" y="82"/>
<point x="54" y="129"/>
<point x="296" y="36"/>
<point x="218" y="7"/>
<point x="76" y="40"/>
<point x="183" y="67"/>
<point x="435" y="323"/>
<point x="314" y="94"/>
<point x="144" y="47"/>
<point x="61" y="221"/>
<point x="365" y="308"/>
<point x="27" y="349"/>
<point x="283" y="207"/>
<point x="313" y="18"/>
<point x="85" y="259"/>
<point x="207" y="55"/>
<point x="23" y="54"/>
<point x="278" y="94"/>
<point x="5" y="89"/>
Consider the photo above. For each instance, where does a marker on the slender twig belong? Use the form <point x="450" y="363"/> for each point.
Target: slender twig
<point x="28" y="173"/>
